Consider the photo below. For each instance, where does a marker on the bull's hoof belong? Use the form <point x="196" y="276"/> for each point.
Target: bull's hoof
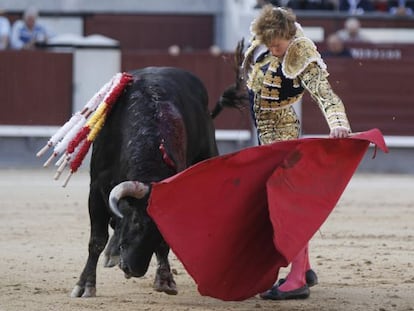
<point x="111" y="261"/>
<point x="167" y="286"/>
<point x="77" y="291"/>
<point x="84" y="292"/>
<point x="169" y="290"/>
<point x="164" y="281"/>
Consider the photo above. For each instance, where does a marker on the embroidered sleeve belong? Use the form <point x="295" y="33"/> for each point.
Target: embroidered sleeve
<point x="314" y="79"/>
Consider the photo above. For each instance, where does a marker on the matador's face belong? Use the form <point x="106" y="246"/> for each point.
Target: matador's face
<point x="278" y="46"/>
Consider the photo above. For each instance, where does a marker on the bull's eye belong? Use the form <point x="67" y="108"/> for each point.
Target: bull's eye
<point x="121" y="249"/>
<point x="137" y="229"/>
<point x="123" y="243"/>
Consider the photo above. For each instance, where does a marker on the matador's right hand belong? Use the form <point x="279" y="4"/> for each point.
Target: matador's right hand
<point x="339" y="132"/>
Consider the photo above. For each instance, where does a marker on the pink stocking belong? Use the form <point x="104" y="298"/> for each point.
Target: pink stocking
<point x="308" y="266"/>
<point x="296" y="277"/>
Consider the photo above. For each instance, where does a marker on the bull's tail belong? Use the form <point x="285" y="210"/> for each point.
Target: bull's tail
<point x="235" y="96"/>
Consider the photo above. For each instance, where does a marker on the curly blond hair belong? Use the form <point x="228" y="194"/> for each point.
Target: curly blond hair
<point x="274" y="23"/>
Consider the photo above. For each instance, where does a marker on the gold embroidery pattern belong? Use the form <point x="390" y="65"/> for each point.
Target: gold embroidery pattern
<point x="268" y="84"/>
<point x="270" y="93"/>
<point x="314" y="79"/>
<point x="256" y="75"/>
<point x="277" y="125"/>
<point x="271" y="79"/>
<point x="296" y="83"/>
<point x="300" y="53"/>
<point x="271" y="104"/>
<point x="276" y="119"/>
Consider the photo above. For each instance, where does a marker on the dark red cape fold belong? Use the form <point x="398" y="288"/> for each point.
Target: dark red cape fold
<point x="235" y="220"/>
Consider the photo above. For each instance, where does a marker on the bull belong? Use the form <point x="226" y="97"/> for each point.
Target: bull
<point x="159" y="126"/>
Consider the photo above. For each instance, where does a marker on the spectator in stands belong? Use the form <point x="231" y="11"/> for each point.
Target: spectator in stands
<point x="320" y="5"/>
<point x="27" y="33"/>
<point x="299" y="4"/>
<point x="4" y="31"/>
<point x="335" y="47"/>
<point x="381" y="6"/>
<point x="356" y="7"/>
<point x="262" y="3"/>
<point x="401" y="7"/>
<point x="352" y="31"/>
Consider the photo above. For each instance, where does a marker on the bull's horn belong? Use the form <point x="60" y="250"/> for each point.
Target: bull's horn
<point x="133" y="189"/>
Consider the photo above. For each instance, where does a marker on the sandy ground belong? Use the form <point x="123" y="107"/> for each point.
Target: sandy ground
<point x="363" y="254"/>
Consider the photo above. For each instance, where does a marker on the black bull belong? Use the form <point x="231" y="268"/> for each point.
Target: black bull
<point x="159" y="126"/>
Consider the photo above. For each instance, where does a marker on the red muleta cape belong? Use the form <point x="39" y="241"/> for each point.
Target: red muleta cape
<point x="235" y="220"/>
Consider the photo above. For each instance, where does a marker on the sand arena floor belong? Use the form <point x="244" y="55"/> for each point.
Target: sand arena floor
<point x="363" y="254"/>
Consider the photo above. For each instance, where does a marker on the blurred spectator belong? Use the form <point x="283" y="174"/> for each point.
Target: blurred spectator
<point x="262" y="3"/>
<point x="335" y="47"/>
<point x="4" y="31"/>
<point x="312" y="4"/>
<point x="381" y="6"/>
<point x="356" y="7"/>
<point x="174" y="50"/>
<point x="299" y="4"/>
<point x="27" y="32"/>
<point x="352" y="31"/>
<point x="215" y="50"/>
<point x="401" y="7"/>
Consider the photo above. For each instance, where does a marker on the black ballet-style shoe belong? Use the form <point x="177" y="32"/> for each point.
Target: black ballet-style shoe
<point x="276" y="294"/>
<point x="311" y="279"/>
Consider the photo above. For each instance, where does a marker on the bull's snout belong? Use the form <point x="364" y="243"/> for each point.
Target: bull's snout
<point x="132" y="267"/>
<point x="131" y="272"/>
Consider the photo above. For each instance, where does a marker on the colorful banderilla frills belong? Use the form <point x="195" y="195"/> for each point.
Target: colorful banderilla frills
<point x="76" y="136"/>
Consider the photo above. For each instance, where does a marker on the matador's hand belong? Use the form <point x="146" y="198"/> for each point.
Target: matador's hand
<point x="339" y="132"/>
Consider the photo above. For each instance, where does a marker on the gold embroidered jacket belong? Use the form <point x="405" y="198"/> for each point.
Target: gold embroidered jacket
<point x="275" y="84"/>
